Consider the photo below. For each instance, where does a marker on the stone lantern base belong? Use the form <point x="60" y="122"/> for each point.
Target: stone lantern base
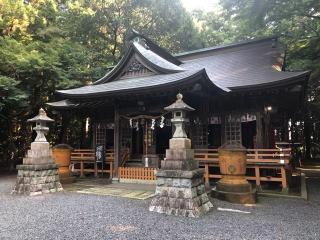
<point x="181" y="193"/>
<point x="36" y="179"/>
<point x="180" y="187"/>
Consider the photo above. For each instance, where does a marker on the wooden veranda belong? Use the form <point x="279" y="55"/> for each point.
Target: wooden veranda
<point x="263" y="165"/>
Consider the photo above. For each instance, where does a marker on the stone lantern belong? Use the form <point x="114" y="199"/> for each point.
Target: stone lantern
<point x="38" y="174"/>
<point x="179" y="109"/>
<point x="41" y="129"/>
<point x="180" y="188"/>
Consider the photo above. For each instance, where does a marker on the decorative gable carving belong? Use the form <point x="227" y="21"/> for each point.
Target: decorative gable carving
<point x="135" y="68"/>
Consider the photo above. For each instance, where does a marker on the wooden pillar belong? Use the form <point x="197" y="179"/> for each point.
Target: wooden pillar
<point x="116" y="143"/>
<point x="223" y="126"/>
<point x="94" y="136"/>
<point x="259" y="130"/>
<point x="267" y="130"/>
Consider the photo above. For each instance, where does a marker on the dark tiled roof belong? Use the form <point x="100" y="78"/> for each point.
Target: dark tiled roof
<point x="243" y="68"/>
<point x="132" y="84"/>
<point x="234" y="67"/>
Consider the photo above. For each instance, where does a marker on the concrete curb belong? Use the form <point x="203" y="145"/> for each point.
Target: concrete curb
<point x="304" y="191"/>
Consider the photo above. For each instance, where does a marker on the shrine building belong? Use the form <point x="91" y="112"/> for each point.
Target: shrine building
<point x="240" y="92"/>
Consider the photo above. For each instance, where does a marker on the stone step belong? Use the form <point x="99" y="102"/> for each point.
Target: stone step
<point x="134" y="164"/>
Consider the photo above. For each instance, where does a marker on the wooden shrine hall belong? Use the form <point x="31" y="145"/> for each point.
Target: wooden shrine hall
<point x="240" y="92"/>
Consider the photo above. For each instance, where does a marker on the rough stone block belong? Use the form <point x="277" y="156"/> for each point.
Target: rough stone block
<point x="168" y="182"/>
<point x="180" y="143"/>
<point x="180" y="154"/>
<point x="187" y="183"/>
<point x="160" y="181"/>
<point x="176" y="182"/>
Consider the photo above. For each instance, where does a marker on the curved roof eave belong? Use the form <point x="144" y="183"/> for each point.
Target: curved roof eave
<point x="194" y="75"/>
<point x="304" y="76"/>
<point x="62" y="104"/>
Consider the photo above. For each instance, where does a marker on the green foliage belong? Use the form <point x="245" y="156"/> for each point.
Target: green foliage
<point x="297" y="22"/>
<point x="12" y="95"/>
<point x="47" y="45"/>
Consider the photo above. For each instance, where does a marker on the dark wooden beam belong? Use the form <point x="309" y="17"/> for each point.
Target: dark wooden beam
<point x="116" y="142"/>
<point x="259" y="130"/>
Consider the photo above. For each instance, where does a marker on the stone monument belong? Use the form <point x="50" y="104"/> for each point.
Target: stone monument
<point x="38" y="174"/>
<point x="180" y="187"/>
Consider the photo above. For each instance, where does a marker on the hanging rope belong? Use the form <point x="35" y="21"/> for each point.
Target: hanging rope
<point x="143" y="116"/>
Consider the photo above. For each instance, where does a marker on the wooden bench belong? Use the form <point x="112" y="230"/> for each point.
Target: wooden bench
<point x="86" y="157"/>
<point x="277" y="160"/>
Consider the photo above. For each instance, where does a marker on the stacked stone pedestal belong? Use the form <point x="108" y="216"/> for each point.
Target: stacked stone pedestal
<point x="180" y="188"/>
<point x="38" y="174"/>
<point x="36" y="179"/>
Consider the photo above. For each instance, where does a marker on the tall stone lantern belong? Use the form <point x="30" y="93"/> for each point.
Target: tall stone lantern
<point x="180" y="188"/>
<point x="38" y="174"/>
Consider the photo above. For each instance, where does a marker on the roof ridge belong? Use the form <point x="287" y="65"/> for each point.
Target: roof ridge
<point x="224" y="46"/>
<point x="162" y="52"/>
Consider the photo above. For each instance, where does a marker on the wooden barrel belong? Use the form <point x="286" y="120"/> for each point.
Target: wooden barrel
<point x="62" y="155"/>
<point x="233" y="166"/>
<point x="233" y="161"/>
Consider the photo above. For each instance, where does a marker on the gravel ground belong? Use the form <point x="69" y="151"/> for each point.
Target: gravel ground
<point x="79" y="216"/>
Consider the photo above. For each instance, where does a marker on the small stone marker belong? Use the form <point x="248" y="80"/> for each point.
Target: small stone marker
<point x="38" y="174"/>
<point x="180" y="188"/>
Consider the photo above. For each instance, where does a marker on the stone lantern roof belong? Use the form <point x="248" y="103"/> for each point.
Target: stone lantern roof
<point x="179" y="105"/>
<point x="41" y="117"/>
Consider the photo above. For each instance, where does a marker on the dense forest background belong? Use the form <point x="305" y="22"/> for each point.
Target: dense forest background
<point x="47" y="45"/>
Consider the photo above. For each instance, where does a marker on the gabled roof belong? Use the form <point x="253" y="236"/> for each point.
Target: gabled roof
<point x="236" y="67"/>
<point x="147" y="57"/>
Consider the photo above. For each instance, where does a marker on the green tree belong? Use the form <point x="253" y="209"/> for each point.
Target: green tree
<point x="297" y="22"/>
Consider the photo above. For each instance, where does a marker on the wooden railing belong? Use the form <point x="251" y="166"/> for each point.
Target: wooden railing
<point x="277" y="160"/>
<point x="137" y="173"/>
<point x="271" y="165"/>
<point x="84" y="161"/>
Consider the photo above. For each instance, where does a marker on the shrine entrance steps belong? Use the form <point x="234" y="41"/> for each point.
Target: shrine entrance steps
<point x="134" y="163"/>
